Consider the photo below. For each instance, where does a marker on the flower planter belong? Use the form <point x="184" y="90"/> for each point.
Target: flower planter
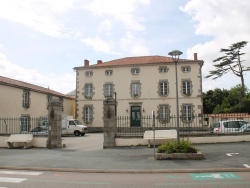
<point x="179" y="156"/>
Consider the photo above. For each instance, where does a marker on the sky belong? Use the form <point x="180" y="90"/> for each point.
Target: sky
<point x="41" y="41"/>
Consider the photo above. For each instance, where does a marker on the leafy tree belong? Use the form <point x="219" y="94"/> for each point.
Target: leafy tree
<point x="226" y="101"/>
<point x="231" y="62"/>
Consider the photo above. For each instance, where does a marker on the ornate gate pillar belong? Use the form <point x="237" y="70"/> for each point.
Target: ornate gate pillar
<point x="109" y="119"/>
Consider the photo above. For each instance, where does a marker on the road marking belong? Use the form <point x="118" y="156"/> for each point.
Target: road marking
<point x="20" y="173"/>
<point x="230" y="154"/>
<point x="12" y="180"/>
<point x="246" y="165"/>
<point x="212" y="176"/>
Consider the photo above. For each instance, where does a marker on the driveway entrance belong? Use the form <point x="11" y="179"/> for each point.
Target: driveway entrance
<point x="89" y="142"/>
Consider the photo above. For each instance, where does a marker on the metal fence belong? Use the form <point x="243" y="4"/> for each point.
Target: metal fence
<point x="200" y="125"/>
<point x="16" y="126"/>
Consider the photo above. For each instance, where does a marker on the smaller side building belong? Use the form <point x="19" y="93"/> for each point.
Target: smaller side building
<point x="25" y="101"/>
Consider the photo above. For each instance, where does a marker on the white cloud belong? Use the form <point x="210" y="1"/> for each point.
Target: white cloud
<point x="32" y="76"/>
<point x="122" y="11"/>
<point x="133" y="45"/>
<point x="226" y="22"/>
<point x="99" y="45"/>
<point x="39" y="15"/>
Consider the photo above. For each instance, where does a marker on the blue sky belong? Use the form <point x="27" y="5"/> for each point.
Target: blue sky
<point x="41" y="41"/>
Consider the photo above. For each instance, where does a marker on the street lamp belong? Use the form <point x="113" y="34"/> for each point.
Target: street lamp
<point x="175" y="56"/>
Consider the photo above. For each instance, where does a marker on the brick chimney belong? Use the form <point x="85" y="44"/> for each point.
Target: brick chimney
<point x="99" y="61"/>
<point x="195" y="57"/>
<point x="86" y="63"/>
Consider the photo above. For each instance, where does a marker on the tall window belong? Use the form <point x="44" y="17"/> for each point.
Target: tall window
<point x="163" y="87"/>
<point x="88" y="114"/>
<point x="187" y="113"/>
<point x="186" y="87"/>
<point x="135" y="89"/>
<point x="88" y="90"/>
<point x="24" y="123"/>
<point x="164" y="115"/>
<point x="26" y="99"/>
<point x="108" y="90"/>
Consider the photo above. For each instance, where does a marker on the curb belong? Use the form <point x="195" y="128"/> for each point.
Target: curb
<point x="124" y="171"/>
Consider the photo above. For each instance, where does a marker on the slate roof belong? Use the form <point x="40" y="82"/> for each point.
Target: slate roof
<point x="28" y="86"/>
<point x="139" y="60"/>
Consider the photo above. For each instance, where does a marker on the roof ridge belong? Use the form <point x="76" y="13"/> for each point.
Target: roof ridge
<point x="28" y="85"/>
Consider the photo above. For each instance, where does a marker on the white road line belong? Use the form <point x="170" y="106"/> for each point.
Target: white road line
<point x="230" y="154"/>
<point x="12" y="180"/>
<point x="246" y="165"/>
<point x="20" y="173"/>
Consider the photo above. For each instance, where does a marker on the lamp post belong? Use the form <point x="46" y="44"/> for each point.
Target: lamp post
<point x="175" y="56"/>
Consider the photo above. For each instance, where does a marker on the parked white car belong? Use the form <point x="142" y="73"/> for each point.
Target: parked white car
<point x="40" y="131"/>
<point x="227" y="126"/>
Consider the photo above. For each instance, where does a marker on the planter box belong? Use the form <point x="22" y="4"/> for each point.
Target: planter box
<point x="179" y="156"/>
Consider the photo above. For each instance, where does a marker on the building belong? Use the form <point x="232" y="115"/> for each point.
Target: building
<point x="140" y="85"/>
<point x="25" y="101"/>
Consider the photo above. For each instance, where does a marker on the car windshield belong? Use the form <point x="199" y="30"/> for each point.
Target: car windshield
<point x="244" y="127"/>
<point x="77" y="122"/>
<point x="243" y="123"/>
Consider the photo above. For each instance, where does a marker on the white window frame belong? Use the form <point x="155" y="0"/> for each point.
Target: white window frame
<point x="25" y="124"/>
<point x="187" y="113"/>
<point x="89" y="73"/>
<point x="164" y="115"/>
<point x="186" y="87"/>
<point x="163" y="69"/>
<point x="163" y="87"/>
<point x="135" y="71"/>
<point x="88" y="114"/>
<point x="108" y="90"/>
<point x="108" y="72"/>
<point x="135" y="89"/>
<point x="186" y="69"/>
<point x="26" y="99"/>
<point x="88" y="90"/>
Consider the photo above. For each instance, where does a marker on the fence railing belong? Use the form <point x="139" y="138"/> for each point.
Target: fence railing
<point x="126" y="126"/>
<point x="16" y="126"/>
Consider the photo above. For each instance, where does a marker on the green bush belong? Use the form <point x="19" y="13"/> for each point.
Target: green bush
<point x="175" y="147"/>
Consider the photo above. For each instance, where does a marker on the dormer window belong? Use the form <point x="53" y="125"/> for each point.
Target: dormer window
<point x="135" y="71"/>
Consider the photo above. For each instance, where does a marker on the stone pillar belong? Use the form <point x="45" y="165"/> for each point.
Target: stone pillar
<point x="109" y="119"/>
<point x="54" y="127"/>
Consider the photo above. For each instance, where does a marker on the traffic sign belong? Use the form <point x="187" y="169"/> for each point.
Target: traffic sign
<point x="213" y="176"/>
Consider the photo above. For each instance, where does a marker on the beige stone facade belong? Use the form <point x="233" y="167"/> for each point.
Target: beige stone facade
<point x="19" y="99"/>
<point x="141" y="85"/>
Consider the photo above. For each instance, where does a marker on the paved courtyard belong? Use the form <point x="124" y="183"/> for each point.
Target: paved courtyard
<point x="88" y="142"/>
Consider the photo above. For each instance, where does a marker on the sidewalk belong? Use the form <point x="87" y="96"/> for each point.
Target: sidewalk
<point x="127" y="159"/>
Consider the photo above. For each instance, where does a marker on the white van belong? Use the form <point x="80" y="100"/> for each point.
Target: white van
<point x="69" y="126"/>
<point x="227" y="126"/>
<point x="72" y="126"/>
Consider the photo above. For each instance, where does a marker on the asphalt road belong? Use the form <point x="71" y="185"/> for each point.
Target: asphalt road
<point x="85" y="154"/>
<point x="40" y="179"/>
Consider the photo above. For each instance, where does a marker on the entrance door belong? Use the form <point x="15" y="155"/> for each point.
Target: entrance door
<point x="135" y="116"/>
